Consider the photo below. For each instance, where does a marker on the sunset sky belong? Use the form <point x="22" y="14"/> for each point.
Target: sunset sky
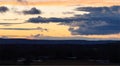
<point x="60" y="19"/>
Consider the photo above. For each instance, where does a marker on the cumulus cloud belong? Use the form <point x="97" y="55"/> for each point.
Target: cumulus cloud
<point x="32" y="11"/>
<point x="3" y="9"/>
<point x="38" y="19"/>
<point x="100" y="21"/>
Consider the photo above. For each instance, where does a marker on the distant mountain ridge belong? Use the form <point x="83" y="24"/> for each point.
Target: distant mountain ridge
<point x="12" y="49"/>
<point x="26" y="41"/>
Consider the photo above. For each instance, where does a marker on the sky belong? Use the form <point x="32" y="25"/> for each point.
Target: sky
<point x="60" y="19"/>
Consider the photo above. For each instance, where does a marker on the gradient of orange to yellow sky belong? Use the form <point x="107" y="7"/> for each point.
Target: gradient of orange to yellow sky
<point x="49" y="8"/>
<point x="63" y="2"/>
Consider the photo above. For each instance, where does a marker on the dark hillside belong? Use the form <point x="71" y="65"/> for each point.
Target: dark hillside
<point x="12" y="49"/>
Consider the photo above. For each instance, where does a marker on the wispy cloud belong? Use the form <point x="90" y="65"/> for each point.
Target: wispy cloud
<point x="25" y="2"/>
<point x="68" y="13"/>
<point x="8" y="24"/>
<point x="38" y="28"/>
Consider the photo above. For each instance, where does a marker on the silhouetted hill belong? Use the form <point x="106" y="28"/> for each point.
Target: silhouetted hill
<point x="12" y="49"/>
<point x="25" y="41"/>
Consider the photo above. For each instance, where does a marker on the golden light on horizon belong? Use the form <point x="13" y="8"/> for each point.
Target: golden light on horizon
<point x="54" y="30"/>
<point x="65" y="2"/>
<point x="49" y="9"/>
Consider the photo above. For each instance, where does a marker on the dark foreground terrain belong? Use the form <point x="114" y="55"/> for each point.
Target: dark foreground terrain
<point x="20" y="51"/>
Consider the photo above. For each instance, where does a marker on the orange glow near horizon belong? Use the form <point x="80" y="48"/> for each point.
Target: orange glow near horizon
<point x="66" y="2"/>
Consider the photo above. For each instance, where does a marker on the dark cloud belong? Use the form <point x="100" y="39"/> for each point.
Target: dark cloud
<point x="40" y="19"/>
<point x="100" y="20"/>
<point x="32" y="11"/>
<point x="3" y="9"/>
<point x="105" y="10"/>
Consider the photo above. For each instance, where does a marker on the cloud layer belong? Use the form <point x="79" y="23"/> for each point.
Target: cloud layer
<point x="40" y="19"/>
<point x="100" y="21"/>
